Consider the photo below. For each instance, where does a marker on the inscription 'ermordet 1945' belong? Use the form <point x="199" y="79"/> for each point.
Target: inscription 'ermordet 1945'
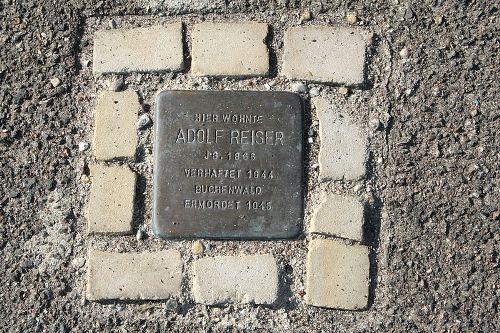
<point x="228" y="164"/>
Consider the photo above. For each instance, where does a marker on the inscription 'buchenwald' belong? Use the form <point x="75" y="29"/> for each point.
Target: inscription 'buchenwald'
<point x="228" y="164"/>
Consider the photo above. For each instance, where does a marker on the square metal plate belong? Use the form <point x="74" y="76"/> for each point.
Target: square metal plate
<point x="228" y="165"/>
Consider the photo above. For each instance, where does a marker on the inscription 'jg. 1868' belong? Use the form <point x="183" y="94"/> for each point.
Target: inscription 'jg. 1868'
<point x="228" y="164"/>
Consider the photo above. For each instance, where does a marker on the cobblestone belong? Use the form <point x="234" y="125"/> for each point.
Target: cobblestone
<point x="337" y="275"/>
<point x="340" y="216"/>
<point x="111" y="203"/>
<point x="152" y="49"/>
<point x="235" y="279"/>
<point x="134" y="276"/>
<point x="230" y="49"/>
<point x="343" y="147"/>
<point x="115" y="134"/>
<point x="325" y="54"/>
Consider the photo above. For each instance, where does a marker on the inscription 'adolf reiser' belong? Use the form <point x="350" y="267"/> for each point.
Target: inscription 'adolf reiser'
<point x="228" y="164"/>
<point x="233" y="136"/>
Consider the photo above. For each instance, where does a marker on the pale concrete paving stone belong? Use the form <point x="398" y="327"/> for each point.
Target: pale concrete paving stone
<point x="115" y="134"/>
<point x="325" y="54"/>
<point x="230" y="49"/>
<point x="340" y="216"/>
<point x="343" y="145"/>
<point x="134" y="276"/>
<point x="111" y="203"/>
<point x="151" y="49"/>
<point x="337" y="275"/>
<point x="235" y="279"/>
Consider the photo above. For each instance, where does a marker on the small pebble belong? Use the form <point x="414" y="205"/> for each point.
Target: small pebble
<point x="139" y="235"/>
<point x="117" y="85"/>
<point x="299" y="87"/>
<point x="82" y="167"/>
<point x="58" y="91"/>
<point x="438" y="19"/>
<point x="55" y="82"/>
<point x="306" y="16"/>
<point x="314" y="91"/>
<point x="343" y="91"/>
<point x="197" y="248"/>
<point x="143" y="121"/>
<point x="404" y="53"/>
<point x="370" y="38"/>
<point x="369" y="198"/>
<point x="267" y="86"/>
<point x="85" y="63"/>
<point x="272" y="83"/>
<point x="357" y="187"/>
<point x="435" y="91"/>
<point x="83" y="146"/>
<point x="408" y="14"/>
<point x="78" y="262"/>
<point x="20" y="96"/>
<point x="310" y="140"/>
<point x="351" y="18"/>
<point x="374" y="124"/>
<point x="171" y="305"/>
<point x="85" y="179"/>
<point x="112" y="24"/>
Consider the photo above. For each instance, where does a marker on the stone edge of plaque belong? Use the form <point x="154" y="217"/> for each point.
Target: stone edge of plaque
<point x="163" y="94"/>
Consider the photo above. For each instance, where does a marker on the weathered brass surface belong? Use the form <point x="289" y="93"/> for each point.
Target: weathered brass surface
<point x="228" y="164"/>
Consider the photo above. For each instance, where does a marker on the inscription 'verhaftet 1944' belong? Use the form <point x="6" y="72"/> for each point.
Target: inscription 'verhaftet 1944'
<point x="228" y="164"/>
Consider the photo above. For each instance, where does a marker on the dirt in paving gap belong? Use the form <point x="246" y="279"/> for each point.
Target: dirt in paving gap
<point x="432" y="186"/>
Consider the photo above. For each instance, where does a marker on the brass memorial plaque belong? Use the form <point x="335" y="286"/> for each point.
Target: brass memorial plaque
<point x="228" y="164"/>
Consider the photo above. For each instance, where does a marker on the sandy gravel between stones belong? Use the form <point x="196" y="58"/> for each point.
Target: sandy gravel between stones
<point x="430" y="109"/>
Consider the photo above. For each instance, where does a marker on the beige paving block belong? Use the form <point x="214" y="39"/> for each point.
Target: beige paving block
<point x="111" y="205"/>
<point x="340" y="216"/>
<point x="343" y="144"/>
<point x="324" y="54"/>
<point x="236" y="279"/>
<point x="230" y="49"/>
<point x="133" y="276"/>
<point x="151" y="49"/>
<point x="337" y="275"/>
<point x="115" y="133"/>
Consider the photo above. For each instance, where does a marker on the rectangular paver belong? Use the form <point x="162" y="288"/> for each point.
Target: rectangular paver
<point x="230" y="49"/>
<point x="151" y="49"/>
<point x="337" y="275"/>
<point x="325" y="54"/>
<point x="134" y="276"/>
<point x="340" y="216"/>
<point x="115" y="133"/>
<point x="236" y="279"/>
<point x="111" y="203"/>
<point x="343" y="144"/>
